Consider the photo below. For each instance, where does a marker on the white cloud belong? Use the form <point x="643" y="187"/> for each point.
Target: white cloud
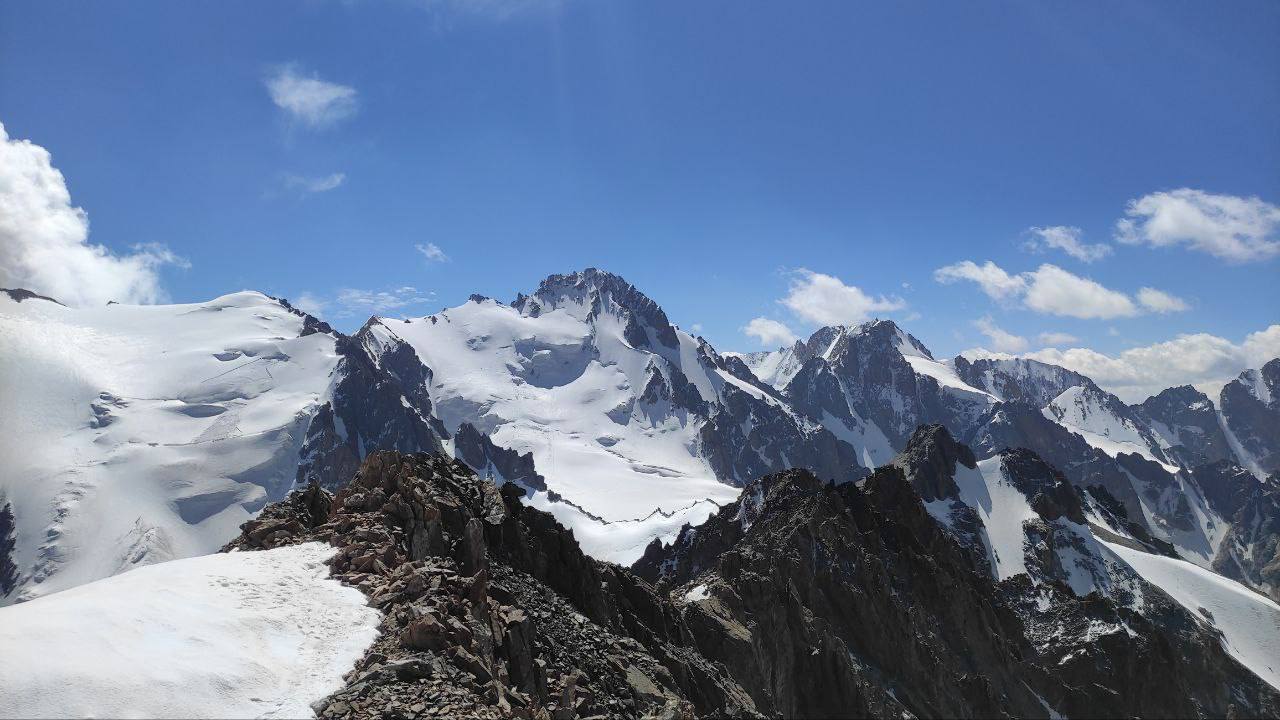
<point x="44" y="239"/>
<point x="993" y="280"/>
<point x="695" y="328"/>
<point x="310" y="185"/>
<point x="1229" y="227"/>
<point x="1001" y="340"/>
<point x="1057" y="338"/>
<point x="825" y="300"/>
<point x="1203" y="360"/>
<point x="1160" y="302"/>
<point x="377" y="302"/>
<point x="314" y="102"/>
<point x="1055" y="291"/>
<point x="432" y="252"/>
<point x="770" y="333"/>
<point x="309" y="303"/>
<point x="354" y="302"/>
<point x="1066" y="239"/>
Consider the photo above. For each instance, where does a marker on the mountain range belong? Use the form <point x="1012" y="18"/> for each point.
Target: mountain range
<point x="142" y="434"/>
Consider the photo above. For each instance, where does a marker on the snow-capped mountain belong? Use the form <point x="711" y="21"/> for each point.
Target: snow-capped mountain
<point x="138" y="434"/>
<point x="637" y="426"/>
<point x="622" y="425"/>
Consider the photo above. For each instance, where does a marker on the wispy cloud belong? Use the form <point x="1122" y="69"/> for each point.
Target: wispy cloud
<point x="1236" y="229"/>
<point x="1057" y="338"/>
<point x="1160" y="302"/>
<point x="309" y="100"/>
<point x="1068" y="240"/>
<point x="355" y="302"/>
<point x="311" y="185"/>
<point x="431" y="252"/>
<point x="489" y="9"/>
<point x="44" y="239"/>
<point x="1000" y="339"/>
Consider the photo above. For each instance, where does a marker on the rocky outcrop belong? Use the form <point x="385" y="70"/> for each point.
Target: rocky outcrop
<point x="380" y="402"/>
<point x="20" y="294"/>
<point x="929" y="462"/>
<point x="490" y="608"/>
<point x="1251" y="413"/>
<point x="8" y="540"/>
<point x="499" y="464"/>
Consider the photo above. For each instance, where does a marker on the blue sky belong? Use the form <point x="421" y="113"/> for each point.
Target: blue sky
<point x="724" y="157"/>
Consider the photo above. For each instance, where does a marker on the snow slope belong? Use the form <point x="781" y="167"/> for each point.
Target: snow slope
<point x="773" y="367"/>
<point x="1250" y="623"/>
<point x="1001" y="506"/>
<point x="1084" y="411"/>
<point x="137" y="434"/>
<point x="259" y="634"/>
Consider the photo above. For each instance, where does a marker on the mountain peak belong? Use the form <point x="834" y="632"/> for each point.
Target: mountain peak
<point x="593" y="291"/>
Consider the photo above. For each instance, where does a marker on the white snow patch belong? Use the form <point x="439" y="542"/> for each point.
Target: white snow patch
<point x="1250" y="623"/>
<point x="1003" y="508"/>
<point x="254" y="634"/>
<point x="696" y="593"/>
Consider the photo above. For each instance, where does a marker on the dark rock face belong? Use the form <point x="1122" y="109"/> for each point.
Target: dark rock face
<point x="840" y="601"/>
<point x="380" y="403"/>
<point x="1018" y="425"/>
<point x="869" y="376"/>
<point x="496" y="463"/>
<point x="20" y="294"/>
<point x="1192" y="424"/>
<point x="929" y="462"/>
<point x="8" y="540"/>
<point x="1018" y="380"/>
<point x="1254" y="420"/>
<point x="773" y="441"/>
<point x="1250" y="552"/>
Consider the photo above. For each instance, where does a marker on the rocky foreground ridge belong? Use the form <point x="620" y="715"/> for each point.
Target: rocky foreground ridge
<point x="800" y="599"/>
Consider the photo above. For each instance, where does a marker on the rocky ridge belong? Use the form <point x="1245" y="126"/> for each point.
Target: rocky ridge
<point x="801" y="599"/>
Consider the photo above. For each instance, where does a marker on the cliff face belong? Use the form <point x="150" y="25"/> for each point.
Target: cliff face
<point x="800" y="599"/>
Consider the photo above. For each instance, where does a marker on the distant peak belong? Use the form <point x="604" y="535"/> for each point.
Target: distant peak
<point x="879" y="333"/>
